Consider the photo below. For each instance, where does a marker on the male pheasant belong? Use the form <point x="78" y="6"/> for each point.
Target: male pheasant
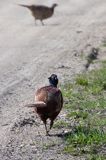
<point x="48" y="102"/>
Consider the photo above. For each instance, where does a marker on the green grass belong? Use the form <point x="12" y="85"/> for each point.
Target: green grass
<point x="78" y="114"/>
<point x="96" y="157"/>
<point x="60" y="124"/>
<point x="49" y="145"/>
<point x="98" y="121"/>
<point x="83" y="138"/>
<point x="86" y="103"/>
<point x="82" y="80"/>
<point x="104" y="44"/>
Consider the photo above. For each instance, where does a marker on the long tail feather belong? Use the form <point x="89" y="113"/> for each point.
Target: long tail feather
<point x="36" y="104"/>
<point x="23" y="5"/>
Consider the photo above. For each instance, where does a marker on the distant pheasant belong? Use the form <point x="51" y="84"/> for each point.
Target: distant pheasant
<point x="92" y="56"/>
<point x="40" y="12"/>
<point x="48" y="102"/>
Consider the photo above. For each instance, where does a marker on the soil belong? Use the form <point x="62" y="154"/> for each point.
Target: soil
<point x="30" y="53"/>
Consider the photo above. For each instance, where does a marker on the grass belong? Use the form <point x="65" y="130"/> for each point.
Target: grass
<point x="84" y="138"/>
<point x="82" y="80"/>
<point x="60" y="124"/>
<point x="86" y="103"/>
<point x="104" y="44"/>
<point x="78" y="114"/>
<point x="96" y="157"/>
<point x="49" y="145"/>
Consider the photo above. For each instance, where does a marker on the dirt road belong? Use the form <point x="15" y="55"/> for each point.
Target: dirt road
<point x="29" y="53"/>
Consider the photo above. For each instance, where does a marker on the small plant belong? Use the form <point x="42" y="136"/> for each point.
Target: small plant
<point x="60" y="124"/>
<point x="82" y="55"/>
<point x="95" y="89"/>
<point x="49" y="145"/>
<point x="96" y="157"/>
<point x="104" y="43"/>
<point x="78" y="114"/>
<point x="81" y="80"/>
<point x="98" y="121"/>
<point x="104" y="85"/>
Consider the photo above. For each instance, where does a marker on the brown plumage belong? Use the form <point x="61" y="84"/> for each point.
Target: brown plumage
<point x="40" y="12"/>
<point x="48" y="102"/>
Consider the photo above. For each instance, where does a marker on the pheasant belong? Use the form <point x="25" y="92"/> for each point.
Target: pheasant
<point x="48" y="102"/>
<point x="40" y="12"/>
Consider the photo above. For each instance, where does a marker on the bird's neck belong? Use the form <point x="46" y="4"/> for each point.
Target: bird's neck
<point x="53" y="7"/>
<point x="53" y="85"/>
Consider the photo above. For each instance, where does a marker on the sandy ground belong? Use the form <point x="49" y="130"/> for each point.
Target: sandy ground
<point x="29" y="53"/>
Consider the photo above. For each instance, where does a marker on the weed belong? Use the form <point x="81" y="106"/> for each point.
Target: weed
<point x="82" y="80"/>
<point x="78" y="114"/>
<point x="104" y="44"/>
<point x="49" y="145"/>
<point x="60" y="124"/>
<point x="96" y="157"/>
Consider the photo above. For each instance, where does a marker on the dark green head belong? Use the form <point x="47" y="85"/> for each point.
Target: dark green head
<point x="53" y="80"/>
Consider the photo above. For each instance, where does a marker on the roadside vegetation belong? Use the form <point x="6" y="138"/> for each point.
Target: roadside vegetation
<point x="85" y="103"/>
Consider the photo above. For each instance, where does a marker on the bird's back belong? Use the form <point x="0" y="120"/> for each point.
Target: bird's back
<point x="52" y="96"/>
<point x="41" y="12"/>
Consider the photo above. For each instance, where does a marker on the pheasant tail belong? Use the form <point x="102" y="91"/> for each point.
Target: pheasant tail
<point x="38" y="104"/>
